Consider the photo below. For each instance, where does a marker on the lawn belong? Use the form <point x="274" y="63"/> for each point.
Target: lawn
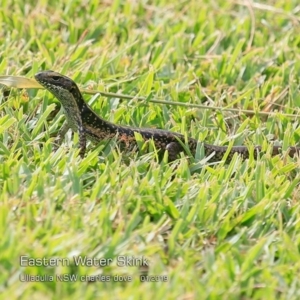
<point x="227" y="73"/>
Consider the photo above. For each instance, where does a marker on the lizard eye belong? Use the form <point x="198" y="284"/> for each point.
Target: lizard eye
<point x="55" y="78"/>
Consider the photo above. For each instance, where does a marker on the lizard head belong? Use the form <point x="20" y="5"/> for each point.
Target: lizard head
<point x="62" y="87"/>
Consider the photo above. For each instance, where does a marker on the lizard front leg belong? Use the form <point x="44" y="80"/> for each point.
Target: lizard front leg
<point x="60" y="136"/>
<point x="82" y="141"/>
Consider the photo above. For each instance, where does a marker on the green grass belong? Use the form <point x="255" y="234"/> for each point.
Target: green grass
<point x="216" y="231"/>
